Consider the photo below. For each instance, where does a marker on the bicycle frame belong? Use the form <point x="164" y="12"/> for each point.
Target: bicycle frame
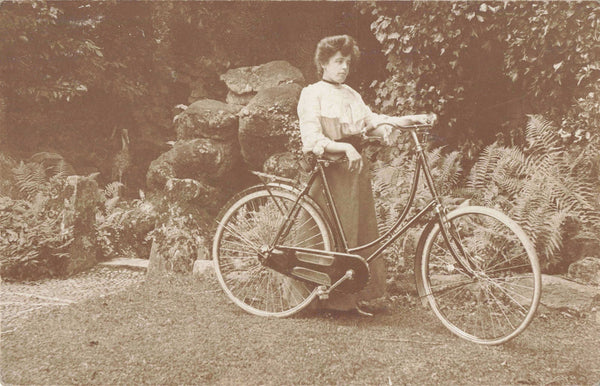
<point x="472" y="260"/>
<point x="393" y="232"/>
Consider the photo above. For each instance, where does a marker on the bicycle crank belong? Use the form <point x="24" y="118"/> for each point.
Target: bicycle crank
<point x="318" y="267"/>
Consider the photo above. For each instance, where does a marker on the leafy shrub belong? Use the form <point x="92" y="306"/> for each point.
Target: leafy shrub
<point x="36" y="224"/>
<point x="548" y="190"/>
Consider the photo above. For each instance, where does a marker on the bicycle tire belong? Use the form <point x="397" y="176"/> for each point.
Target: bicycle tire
<point x="249" y="221"/>
<point x="495" y="298"/>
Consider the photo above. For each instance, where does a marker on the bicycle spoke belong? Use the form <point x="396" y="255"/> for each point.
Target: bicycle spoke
<point x="241" y="237"/>
<point x="511" y="259"/>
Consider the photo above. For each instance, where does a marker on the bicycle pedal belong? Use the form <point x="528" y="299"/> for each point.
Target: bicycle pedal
<point x="323" y="293"/>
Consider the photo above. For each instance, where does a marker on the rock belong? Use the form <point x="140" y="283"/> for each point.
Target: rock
<point x="203" y="269"/>
<point x="157" y="264"/>
<point x="200" y="159"/>
<point x="559" y="293"/>
<point x="586" y="270"/>
<point x="237" y="99"/>
<point x="283" y="165"/>
<point x="264" y="121"/>
<point x="246" y="80"/>
<point x="84" y="250"/>
<point x="182" y="190"/>
<point x="180" y="234"/>
<point x="208" y="118"/>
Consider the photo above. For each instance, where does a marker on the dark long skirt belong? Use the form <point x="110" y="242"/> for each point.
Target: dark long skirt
<point x="353" y="197"/>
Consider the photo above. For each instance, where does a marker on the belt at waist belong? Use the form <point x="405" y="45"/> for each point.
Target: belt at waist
<point x="355" y="141"/>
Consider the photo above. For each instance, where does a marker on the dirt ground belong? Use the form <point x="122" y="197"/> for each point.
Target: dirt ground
<point x="179" y="330"/>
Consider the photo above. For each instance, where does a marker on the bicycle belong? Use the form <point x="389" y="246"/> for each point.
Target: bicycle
<point x="275" y="250"/>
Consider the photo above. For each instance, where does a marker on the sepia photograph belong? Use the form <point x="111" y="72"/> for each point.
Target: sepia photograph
<point x="299" y="192"/>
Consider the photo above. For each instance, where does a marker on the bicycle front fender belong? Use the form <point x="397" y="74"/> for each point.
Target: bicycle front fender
<point x="419" y="258"/>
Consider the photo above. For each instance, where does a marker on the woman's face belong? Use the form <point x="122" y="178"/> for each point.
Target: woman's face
<point x="337" y="68"/>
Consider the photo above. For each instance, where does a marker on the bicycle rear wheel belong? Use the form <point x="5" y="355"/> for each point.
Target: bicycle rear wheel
<point x="251" y="221"/>
<point x="483" y="281"/>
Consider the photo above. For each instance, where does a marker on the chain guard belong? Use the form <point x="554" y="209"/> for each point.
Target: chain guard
<point x="319" y="267"/>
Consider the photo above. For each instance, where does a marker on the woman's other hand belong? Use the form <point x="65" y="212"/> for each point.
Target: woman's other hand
<point x="431" y="119"/>
<point x="355" y="162"/>
<point x="425" y="119"/>
<point x="408" y="120"/>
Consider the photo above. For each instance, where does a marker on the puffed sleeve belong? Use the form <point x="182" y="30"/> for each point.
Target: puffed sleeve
<point x="373" y="119"/>
<point x="311" y="132"/>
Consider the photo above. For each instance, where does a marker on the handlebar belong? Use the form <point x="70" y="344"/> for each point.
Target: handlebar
<point x="415" y="128"/>
<point x="419" y="126"/>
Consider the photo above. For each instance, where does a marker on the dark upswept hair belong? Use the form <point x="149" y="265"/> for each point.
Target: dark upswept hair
<point x="328" y="47"/>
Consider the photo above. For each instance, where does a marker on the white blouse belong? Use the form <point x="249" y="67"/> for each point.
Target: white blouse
<point x="329" y="112"/>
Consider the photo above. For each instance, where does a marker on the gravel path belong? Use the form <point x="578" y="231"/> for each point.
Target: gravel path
<point x="19" y="300"/>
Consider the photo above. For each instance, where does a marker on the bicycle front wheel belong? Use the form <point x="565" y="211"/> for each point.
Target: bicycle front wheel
<point x="250" y="222"/>
<point x="481" y="275"/>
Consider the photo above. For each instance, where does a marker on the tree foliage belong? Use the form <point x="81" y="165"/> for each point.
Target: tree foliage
<point x="482" y="64"/>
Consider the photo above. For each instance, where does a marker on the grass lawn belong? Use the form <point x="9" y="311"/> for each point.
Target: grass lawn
<point x="178" y="330"/>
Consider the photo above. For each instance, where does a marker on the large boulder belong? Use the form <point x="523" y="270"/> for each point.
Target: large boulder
<point x="200" y="159"/>
<point x="208" y="118"/>
<point x="264" y="122"/>
<point x="180" y="235"/>
<point x="245" y="82"/>
<point x="586" y="270"/>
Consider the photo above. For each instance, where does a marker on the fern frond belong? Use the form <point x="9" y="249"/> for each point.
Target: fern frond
<point x="449" y="172"/>
<point x="63" y="169"/>
<point x="30" y="178"/>
<point x="113" y="189"/>
<point x="549" y="240"/>
<point x="479" y="177"/>
<point x="433" y="156"/>
<point x="541" y="136"/>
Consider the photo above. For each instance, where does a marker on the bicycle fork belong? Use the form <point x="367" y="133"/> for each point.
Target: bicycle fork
<point x="449" y="231"/>
<point x="452" y="239"/>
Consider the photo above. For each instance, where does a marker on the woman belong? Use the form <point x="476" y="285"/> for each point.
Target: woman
<point x="331" y="116"/>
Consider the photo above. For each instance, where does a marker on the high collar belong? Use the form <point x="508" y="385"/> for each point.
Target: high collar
<point x="331" y="82"/>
